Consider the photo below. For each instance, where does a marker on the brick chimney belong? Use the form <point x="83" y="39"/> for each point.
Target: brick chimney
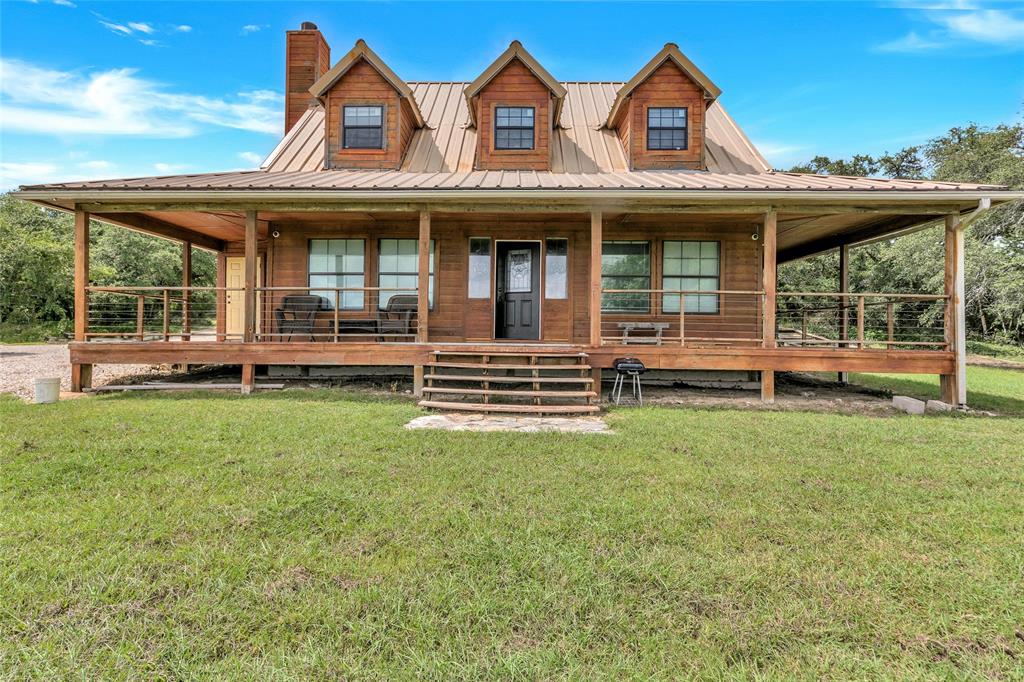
<point x="307" y="57"/>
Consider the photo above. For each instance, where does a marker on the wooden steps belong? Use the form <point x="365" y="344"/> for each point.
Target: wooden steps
<point x="528" y="382"/>
<point x="509" y="407"/>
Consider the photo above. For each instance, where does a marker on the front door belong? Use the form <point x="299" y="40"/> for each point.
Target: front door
<point x="517" y="309"/>
<point x="235" y="282"/>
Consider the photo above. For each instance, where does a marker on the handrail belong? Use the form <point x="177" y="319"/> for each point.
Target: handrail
<point x="695" y="292"/>
<point x="854" y="294"/>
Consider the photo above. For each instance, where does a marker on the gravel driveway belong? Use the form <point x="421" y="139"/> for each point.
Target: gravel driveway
<point x="21" y="365"/>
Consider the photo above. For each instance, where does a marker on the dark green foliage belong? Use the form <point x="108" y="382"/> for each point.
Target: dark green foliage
<point x="914" y="263"/>
<point x="37" y="266"/>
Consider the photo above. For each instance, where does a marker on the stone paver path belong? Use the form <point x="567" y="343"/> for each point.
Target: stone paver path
<point x="478" y="422"/>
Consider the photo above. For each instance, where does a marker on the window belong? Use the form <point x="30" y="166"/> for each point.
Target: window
<point x="666" y="128"/>
<point x="337" y="263"/>
<point x="625" y="265"/>
<point x="556" y="268"/>
<point x="398" y="268"/>
<point x="513" y="127"/>
<point x="690" y="266"/>
<point x="363" y="127"/>
<point x="479" y="267"/>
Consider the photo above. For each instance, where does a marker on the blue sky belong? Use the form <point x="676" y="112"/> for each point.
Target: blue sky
<point x="114" y="89"/>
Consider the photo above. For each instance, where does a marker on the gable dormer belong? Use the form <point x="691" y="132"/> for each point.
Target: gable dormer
<point x="514" y="105"/>
<point x="370" y="113"/>
<point x="660" y="114"/>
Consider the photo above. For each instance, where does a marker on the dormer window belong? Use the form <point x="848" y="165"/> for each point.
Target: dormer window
<point x="666" y="128"/>
<point x="363" y="127"/>
<point x="513" y="128"/>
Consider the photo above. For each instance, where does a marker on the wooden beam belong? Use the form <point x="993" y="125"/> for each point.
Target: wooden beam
<point x="423" y="280"/>
<point x="767" y="386"/>
<point x="954" y="385"/>
<point x="249" y="310"/>
<point x="81" y="274"/>
<point x="769" y="278"/>
<point x="844" y="287"/>
<point x="596" y="237"/>
<point x="417" y="381"/>
<point x="248" y="378"/>
<point x="186" y="294"/>
<point x="159" y="228"/>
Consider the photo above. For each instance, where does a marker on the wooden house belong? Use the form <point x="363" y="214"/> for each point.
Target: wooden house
<point x="508" y="238"/>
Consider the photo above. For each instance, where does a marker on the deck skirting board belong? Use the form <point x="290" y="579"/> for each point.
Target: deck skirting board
<point x="412" y="354"/>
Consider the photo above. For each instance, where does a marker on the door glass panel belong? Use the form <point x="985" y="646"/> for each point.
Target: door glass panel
<point x="520" y="271"/>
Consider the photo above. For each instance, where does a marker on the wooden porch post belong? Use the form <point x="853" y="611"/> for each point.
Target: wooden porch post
<point x="954" y="386"/>
<point x="596" y="229"/>
<point x="768" y="274"/>
<point x="423" y="282"/>
<point x="186" y="293"/>
<point x="844" y="287"/>
<point x="81" y="375"/>
<point x="249" y="310"/>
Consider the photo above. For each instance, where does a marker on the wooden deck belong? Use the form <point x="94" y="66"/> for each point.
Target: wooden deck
<point x="915" y="361"/>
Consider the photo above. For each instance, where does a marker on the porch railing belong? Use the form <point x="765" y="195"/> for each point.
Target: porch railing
<point x="681" y="317"/>
<point x="156" y="313"/>
<point x="337" y="314"/>
<point x="861" y="320"/>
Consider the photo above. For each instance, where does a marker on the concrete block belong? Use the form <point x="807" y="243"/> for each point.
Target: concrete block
<point x="908" y="405"/>
<point x="938" y="406"/>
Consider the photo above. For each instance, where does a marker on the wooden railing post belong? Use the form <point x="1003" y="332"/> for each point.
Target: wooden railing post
<point x="249" y="309"/>
<point x="682" y="319"/>
<point x="768" y="274"/>
<point x="81" y="374"/>
<point x="890" y="321"/>
<point x="803" y="326"/>
<point x="954" y="386"/>
<point x="860" y="322"/>
<point x="186" y="292"/>
<point x="844" y="318"/>
<point x="337" y="312"/>
<point x="596" y="238"/>
<point x="140" y="316"/>
<point x="423" y="280"/>
<point x="167" y="315"/>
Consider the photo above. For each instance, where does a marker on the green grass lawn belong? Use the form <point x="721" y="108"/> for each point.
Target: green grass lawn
<point x="307" y="535"/>
<point x="988" y="388"/>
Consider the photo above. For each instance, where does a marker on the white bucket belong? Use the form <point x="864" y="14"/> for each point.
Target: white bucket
<point x="47" y="390"/>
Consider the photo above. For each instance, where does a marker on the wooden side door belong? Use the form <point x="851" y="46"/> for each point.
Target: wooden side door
<point x="235" y="300"/>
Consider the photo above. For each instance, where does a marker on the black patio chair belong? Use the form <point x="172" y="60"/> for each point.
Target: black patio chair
<point x="397" y="318"/>
<point x="297" y="315"/>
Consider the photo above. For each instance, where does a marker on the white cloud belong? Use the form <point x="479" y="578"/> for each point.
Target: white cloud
<point x="781" y="154"/>
<point x="119" y="102"/>
<point x="912" y="42"/>
<point x="986" y="26"/>
<point x="64" y="3"/>
<point x="251" y="28"/>
<point x="13" y="174"/>
<point x="184" y="28"/>
<point x="169" y="168"/>
<point x="141" y="27"/>
<point x="116" y="28"/>
<point x="96" y="165"/>
<point x="251" y="158"/>
<point x="950" y="24"/>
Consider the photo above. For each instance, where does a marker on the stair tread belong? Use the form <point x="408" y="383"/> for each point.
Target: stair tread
<point x="509" y="380"/>
<point x="485" y="365"/>
<point x="505" y="407"/>
<point x="499" y="392"/>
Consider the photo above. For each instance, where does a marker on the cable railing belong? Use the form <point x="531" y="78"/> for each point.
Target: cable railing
<point x="337" y="314"/>
<point x="681" y="318"/>
<point x="861" y="320"/>
<point x="153" y="313"/>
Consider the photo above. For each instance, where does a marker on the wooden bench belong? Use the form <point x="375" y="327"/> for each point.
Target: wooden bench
<point x="629" y="328"/>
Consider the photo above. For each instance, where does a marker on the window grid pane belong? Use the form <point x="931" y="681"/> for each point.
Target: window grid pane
<point x="363" y="127"/>
<point x="697" y="263"/>
<point x="625" y="265"/>
<point x="398" y="267"/>
<point x="667" y="128"/>
<point x="337" y="263"/>
<point x="513" y="127"/>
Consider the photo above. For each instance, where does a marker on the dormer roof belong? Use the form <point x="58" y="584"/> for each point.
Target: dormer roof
<point x="515" y="51"/>
<point x="671" y="52"/>
<point x="362" y="51"/>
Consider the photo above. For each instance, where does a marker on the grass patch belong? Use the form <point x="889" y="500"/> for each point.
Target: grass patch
<point x="309" y="535"/>
<point x="988" y="388"/>
<point x="1003" y="351"/>
<point x="37" y="332"/>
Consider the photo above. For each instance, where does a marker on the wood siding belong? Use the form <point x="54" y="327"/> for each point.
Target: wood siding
<point x="668" y="86"/>
<point x="456" y="317"/>
<point x="363" y="85"/>
<point x="517" y="86"/>
<point x="307" y="57"/>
